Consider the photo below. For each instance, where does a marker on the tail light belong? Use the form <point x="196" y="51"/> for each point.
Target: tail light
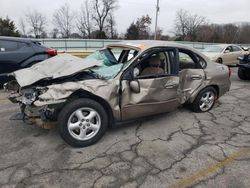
<point x="229" y="72"/>
<point x="52" y="52"/>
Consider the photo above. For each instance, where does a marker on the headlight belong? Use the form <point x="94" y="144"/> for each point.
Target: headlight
<point x="31" y="95"/>
<point x="41" y="90"/>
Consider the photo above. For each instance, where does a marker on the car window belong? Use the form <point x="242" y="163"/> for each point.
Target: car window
<point x="154" y="65"/>
<point x="113" y="61"/>
<point x="123" y="55"/>
<point x="236" y="49"/>
<point x="189" y="60"/>
<point x="6" y="46"/>
<point x="116" y="52"/>
<point x="186" y="62"/>
<point x="229" y="48"/>
<point x="201" y="61"/>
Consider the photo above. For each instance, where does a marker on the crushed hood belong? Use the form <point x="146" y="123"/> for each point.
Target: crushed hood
<point x="59" y="66"/>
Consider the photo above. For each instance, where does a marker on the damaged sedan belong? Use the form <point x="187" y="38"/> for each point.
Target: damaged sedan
<point x="123" y="82"/>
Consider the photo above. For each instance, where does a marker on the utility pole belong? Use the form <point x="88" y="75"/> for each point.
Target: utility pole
<point x="156" y="19"/>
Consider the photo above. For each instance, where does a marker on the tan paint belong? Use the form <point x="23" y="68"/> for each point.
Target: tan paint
<point x="190" y="82"/>
<point x="106" y="89"/>
<point x="156" y="96"/>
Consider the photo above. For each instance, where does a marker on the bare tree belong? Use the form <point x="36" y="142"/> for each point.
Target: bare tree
<point x="143" y="25"/>
<point x="37" y="22"/>
<point x="194" y="23"/>
<point x="102" y="8"/>
<point x="187" y="25"/>
<point x="63" y="18"/>
<point x="54" y="33"/>
<point x="244" y="33"/>
<point x="111" y="26"/>
<point x="84" y="22"/>
<point x="22" y="27"/>
<point x="181" y="24"/>
<point x="140" y="29"/>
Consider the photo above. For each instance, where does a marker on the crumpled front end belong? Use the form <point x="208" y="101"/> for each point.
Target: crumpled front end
<point x="43" y="116"/>
<point x="41" y="105"/>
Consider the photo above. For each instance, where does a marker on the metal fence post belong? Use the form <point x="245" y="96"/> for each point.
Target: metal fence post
<point x="65" y="45"/>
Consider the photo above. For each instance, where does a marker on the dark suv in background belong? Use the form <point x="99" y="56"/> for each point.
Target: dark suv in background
<point x="18" y="53"/>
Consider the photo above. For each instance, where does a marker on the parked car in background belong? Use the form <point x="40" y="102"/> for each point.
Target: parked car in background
<point x="224" y="53"/>
<point x="18" y="53"/>
<point x="119" y="83"/>
<point x="244" y="67"/>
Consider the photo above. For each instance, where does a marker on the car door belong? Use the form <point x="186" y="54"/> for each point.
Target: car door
<point x="191" y="73"/>
<point x="237" y="53"/>
<point x="228" y="56"/>
<point x="12" y="53"/>
<point x="149" y="90"/>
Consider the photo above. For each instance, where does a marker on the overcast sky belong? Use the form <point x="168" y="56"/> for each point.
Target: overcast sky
<point x="216" y="11"/>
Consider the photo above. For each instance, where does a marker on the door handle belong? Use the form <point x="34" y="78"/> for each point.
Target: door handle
<point x="170" y="85"/>
<point x="196" y="77"/>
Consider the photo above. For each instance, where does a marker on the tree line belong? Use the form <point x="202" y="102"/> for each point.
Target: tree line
<point x="95" y="20"/>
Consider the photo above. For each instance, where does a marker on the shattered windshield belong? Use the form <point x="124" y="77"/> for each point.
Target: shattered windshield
<point x="113" y="60"/>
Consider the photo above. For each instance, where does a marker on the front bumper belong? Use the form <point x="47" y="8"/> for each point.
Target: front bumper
<point x="43" y="116"/>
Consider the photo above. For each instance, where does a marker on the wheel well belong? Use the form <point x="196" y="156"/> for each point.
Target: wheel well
<point x="219" y="58"/>
<point x="217" y="89"/>
<point x="85" y="94"/>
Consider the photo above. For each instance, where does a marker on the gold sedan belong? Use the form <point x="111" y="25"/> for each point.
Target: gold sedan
<point x="224" y="54"/>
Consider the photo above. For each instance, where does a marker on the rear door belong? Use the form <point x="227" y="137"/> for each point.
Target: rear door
<point x="12" y="54"/>
<point x="237" y="53"/>
<point x="191" y="73"/>
<point x="157" y="89"/>
<point x="228" y="56"/>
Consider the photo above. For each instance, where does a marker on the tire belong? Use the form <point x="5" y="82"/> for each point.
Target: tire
<point x="242" y="74"/>
<point x="219" y="60"/>
<point x="206" y="97"/>
<point x="82" y="122"/>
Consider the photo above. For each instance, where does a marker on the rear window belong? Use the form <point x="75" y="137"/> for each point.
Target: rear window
<point x="236" y="49"/>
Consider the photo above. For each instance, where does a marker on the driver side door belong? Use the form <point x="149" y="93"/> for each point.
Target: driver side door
<point x="154" y="92"/>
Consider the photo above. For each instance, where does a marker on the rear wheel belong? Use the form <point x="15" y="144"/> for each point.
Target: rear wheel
<point x="82" y="122"/>
<point x="205" y="100"/>
<point x="242" y="74"/>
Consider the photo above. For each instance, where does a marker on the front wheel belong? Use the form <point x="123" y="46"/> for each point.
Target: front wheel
<point x="219" y="60"/>
<point x="82" y="122"/>
<point x="205" y="100"/>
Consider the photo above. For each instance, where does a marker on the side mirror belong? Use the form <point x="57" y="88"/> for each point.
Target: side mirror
<point x="134" y="86"/>
<point x="227" y="51"/>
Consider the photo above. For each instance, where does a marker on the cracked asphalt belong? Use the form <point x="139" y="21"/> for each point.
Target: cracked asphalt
<point x="178" y="149"/>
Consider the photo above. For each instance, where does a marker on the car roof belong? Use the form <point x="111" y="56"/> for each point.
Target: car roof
<point x="142" y="45"/>
<point x="17" y="39"/>
<point x="224" y="45"/>
<point x="146" y="44"/>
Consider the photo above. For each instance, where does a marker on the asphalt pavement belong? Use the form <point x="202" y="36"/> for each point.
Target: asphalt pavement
<point x="178" y="149"/>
